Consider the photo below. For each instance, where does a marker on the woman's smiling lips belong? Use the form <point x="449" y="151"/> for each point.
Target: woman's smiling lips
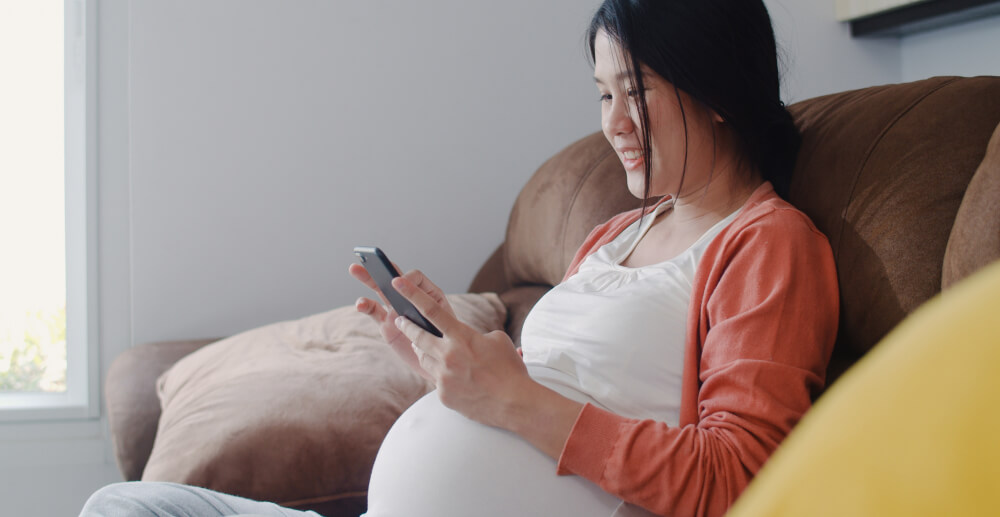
<point x="631" y="158"/>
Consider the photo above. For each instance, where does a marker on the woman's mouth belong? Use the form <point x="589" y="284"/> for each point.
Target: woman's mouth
<point x="631" y="159"/>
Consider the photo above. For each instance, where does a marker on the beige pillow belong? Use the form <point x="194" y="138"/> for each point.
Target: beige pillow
<point x="292" y="412"/>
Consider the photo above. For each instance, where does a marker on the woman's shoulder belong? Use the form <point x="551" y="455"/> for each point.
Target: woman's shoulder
<point x="770" y="243"/>
<point x="769" y="236"/>
<point x="767" y="214"/>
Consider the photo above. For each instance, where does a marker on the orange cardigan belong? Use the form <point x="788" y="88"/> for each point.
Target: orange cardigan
<point x="760" y="331"/>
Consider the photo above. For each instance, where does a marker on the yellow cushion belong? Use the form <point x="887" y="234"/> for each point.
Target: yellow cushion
<point x="912" y="429"/>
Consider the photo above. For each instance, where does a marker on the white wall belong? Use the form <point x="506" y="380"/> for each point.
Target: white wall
<point x="967" y="49"/>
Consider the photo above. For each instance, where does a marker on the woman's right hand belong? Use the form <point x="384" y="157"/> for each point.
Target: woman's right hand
<point x="385" y="316"/>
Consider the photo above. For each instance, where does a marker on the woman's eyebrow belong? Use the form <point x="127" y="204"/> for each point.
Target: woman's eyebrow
<point x="618" y="78"/>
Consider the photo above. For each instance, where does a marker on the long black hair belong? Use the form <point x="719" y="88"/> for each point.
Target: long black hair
<point x="722" y="54"/>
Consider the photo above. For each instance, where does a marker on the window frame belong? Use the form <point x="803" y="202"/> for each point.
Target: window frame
<point x="82" y="395"/>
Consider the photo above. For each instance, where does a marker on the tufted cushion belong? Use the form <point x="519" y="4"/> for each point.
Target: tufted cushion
<point x="292" y="412"/>
<point x="882" y="172"/>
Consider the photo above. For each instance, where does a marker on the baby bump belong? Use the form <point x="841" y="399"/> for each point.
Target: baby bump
<point x="436" y="462"/>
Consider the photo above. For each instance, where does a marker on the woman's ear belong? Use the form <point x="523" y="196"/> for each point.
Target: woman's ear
<point x="715" y="117"/>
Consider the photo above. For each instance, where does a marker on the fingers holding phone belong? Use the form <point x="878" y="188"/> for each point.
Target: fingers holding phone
<point x="381" y="272"/>
<point x="397" y="341"/>
<point x="417" y="278"/>
<point x="376" y="271"/>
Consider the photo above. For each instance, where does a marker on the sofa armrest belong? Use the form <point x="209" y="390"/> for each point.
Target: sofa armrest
<point x="130" y="395"/>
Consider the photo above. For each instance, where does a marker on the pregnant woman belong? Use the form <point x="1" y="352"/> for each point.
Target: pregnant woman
<point x="686" y="339"/>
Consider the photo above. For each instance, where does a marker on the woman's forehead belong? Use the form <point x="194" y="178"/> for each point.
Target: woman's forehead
<point x="621" y="77"/>
<point x="610" y="62"/>
<point x="609" y="58"/>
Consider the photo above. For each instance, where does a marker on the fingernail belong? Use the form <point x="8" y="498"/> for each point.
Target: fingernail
<point x="398" y="284"/>
<point x="399" y="322"/>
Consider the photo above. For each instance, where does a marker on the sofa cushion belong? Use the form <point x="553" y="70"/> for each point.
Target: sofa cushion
<point x="911" y="430"/>
<point x="580" y="187"/>
<point x="292" y="412"/>
<point x="882" y="172"/>
<point x="975" y="238"/>
<point x="131" y="400"/>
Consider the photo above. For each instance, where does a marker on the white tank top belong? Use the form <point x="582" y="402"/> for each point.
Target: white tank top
<point x="610" y="335"/>
<point x="617" y="333"/>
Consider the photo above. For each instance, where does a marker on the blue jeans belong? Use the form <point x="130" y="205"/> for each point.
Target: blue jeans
<point x="159" y="499"/>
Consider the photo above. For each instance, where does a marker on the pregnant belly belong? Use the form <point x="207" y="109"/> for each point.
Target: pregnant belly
<point x="436" y="462"/>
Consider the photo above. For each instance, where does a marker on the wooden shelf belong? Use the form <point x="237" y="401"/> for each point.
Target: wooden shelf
<point x="923" y="16"/>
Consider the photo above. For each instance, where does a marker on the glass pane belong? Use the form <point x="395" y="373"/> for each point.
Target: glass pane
<point x="32" y="226"/>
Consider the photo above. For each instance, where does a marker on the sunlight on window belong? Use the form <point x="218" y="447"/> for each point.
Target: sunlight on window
<point x="32" y="226"/>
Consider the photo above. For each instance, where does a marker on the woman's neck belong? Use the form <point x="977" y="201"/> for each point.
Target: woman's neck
<point x="721" y="194"/>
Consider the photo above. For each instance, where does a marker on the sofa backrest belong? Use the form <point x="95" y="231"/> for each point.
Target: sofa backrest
<point x="882" y="172"/>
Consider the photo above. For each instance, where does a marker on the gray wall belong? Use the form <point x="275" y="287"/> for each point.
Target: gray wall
<point x="269" y="138"/>
<point x="821" y="57"/>
<point x="969" y="49"/>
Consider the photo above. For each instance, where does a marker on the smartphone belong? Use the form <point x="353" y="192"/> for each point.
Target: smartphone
<point x="382" y="271"/>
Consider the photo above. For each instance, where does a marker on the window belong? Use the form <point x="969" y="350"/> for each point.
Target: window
<point x="47" y="182"/>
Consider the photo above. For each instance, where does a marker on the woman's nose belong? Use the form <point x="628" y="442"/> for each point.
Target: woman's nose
<point x="618" y="119"/>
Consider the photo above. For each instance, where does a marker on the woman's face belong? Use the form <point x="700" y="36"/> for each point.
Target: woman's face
<point x="622" y="125"/>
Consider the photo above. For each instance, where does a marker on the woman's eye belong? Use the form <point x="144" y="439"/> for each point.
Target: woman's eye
<point x="633" y="92"/>
<point x="605" y="97"/>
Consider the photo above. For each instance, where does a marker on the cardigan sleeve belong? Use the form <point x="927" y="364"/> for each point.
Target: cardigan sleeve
<point x="766" y="328"/>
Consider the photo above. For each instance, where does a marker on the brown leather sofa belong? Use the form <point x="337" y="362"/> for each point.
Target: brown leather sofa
<point x="894" y="175"/>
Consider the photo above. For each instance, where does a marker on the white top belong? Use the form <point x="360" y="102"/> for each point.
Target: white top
<point x="610" y="335"/>
<point x="617" y="333"/>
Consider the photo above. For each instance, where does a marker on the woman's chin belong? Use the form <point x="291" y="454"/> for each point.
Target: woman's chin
<point x="636" y="183"/>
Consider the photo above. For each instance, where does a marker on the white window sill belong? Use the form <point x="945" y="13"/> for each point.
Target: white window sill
<point x="22" y="407"/>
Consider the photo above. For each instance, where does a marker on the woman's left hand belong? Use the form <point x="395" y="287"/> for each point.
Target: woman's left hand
<point x="479" y="375"/>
